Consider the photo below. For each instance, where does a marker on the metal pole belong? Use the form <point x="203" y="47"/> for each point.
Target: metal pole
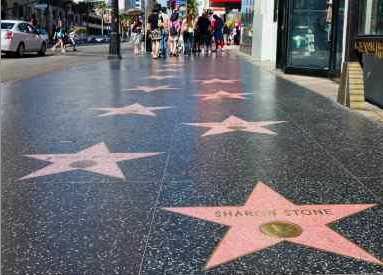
<point x="115" y="47"/>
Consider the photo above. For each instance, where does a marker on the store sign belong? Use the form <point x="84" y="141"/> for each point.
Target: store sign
<point x="374" y="47"/>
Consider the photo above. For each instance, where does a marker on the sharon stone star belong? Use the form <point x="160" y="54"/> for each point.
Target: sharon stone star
<point x="268" y="218"/>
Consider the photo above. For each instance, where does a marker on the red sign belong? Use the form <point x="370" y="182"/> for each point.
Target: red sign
<point x="212" y="2"/>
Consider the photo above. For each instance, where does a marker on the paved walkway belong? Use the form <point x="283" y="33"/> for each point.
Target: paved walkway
<point x="322" y="86"/>
<point x="202" y="166"/>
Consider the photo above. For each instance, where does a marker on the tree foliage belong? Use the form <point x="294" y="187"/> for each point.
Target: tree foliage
<point x="192" y="8"/>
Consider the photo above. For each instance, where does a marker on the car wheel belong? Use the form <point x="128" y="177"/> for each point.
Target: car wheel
<point x="43" y="49"/>
<point x="21" y="50"/>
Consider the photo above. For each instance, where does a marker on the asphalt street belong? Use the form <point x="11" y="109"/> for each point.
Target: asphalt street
<point x="201" y="165"/>
<point x="14" y="68"/>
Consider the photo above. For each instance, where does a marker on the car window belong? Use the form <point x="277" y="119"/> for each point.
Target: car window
<point x="6" y="25"/>
<point x="23" y="27"/>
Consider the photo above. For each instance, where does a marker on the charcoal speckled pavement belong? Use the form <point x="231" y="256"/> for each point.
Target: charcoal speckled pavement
<point x="204" y="165"/>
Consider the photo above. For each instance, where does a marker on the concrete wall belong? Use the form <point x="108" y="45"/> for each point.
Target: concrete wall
<point x="264" y="46"/>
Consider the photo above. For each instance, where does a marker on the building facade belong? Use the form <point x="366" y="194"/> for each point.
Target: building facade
<point x="364" y="44"/>
<point x="318" y="37"/>
<point x="49" y="12"/>
<point x="298" y="35"/>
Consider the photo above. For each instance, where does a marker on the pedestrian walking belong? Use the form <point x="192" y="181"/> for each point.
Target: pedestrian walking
<point x="218" y="32"/>
<point x="59" y="37"/>
<point x="137" y="36"/>
<point x="204" y="32"/>
<point x="164" y="27"/>
<point x="237" y="34"/>
<point x="72" y="39"/>
<point x="226" y="34"/>
<point x="174" y="31"/>
<point x="33" y="21"/>
<point x="155" y="32"/>
<point x="188" y="34"/>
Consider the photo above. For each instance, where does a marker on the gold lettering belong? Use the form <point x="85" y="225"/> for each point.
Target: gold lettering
<point x="228" y="213"/>
<point x="238" y="213"/>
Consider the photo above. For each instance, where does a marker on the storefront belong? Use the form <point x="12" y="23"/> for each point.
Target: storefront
<point x="310" y="36"/>
<point x="365" y="44"/>
<point x="247" y="16"/>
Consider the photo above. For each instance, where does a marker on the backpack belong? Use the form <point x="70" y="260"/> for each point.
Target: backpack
<point x="174" y="28"/>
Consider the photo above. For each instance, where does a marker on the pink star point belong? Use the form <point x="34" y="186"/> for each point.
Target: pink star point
<point x="134" y="109"/>
<point x="97" y="159"/>
<point x="170" y="70"/>
<point x="159" y="77"/>
<point x="266" y="206"/>
<point x="218" y="81"/>
<point x="221" y="94"/>
<point x="234" y="124"/>
<point x="150" y="89"/>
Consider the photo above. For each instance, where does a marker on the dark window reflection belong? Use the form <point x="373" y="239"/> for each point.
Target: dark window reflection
<point x="371" y="17"/>
<point x="310" y="36"/>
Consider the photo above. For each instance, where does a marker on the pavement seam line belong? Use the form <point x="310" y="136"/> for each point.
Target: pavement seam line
<point x="159" y="195"/>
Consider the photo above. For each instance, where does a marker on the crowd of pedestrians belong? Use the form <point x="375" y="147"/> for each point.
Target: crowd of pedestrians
<point x="172" y="35"/>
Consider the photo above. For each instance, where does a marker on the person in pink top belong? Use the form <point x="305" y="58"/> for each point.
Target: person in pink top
<point x="174" y="32"/>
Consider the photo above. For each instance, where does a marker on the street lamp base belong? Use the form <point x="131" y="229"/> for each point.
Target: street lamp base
<point x="114" y="47"/>
<point x="114" y="57"/>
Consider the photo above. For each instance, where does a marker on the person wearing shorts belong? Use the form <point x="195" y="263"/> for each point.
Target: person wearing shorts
<point x="137" y="36"/>
<point x="174" y="31"/>
<point x="155" y="32"/>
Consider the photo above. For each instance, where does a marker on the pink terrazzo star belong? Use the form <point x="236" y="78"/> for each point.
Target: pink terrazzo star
<point x="159" y="77"/>
<point x="150" y="89"/>
<point x="223" y="95"/>
<point x="234" y="124"/>
<point x="167" y="70"/>
<point x="267" y="208"/>
<point x="97" y="159"/>
<point x="134" y="109"/>
<point x="176" y="65"/>
<point x="218" y="81"/>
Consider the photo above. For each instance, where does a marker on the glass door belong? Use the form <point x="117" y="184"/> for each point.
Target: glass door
<point x="309" y="34"/>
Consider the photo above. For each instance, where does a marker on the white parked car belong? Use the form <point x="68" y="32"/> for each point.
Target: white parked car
<point x="20" y="37"/>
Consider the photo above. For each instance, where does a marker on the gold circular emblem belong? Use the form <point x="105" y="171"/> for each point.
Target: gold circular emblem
<point x="281" y="229"/>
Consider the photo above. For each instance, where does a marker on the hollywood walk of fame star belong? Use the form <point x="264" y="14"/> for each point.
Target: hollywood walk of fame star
<point x="234" y="124"/>
<point x="97" y="159"/>
<point x="223" y="95"/>
<point x="268" y="218"/>
<point x="167" y="70"/>
<point x="135" y="109"/>
<point x="150" y="89"/>
<point x="218" y="81"/>
<point x="159" y="77"/>
<point x="176" y="65"/>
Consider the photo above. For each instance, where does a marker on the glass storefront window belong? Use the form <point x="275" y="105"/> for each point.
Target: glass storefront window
<point x="310" y="36"/>
<point x="371" y="17"/>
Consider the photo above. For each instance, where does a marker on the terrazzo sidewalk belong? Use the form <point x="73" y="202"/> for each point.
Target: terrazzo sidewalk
<point x="207" y="165"/>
